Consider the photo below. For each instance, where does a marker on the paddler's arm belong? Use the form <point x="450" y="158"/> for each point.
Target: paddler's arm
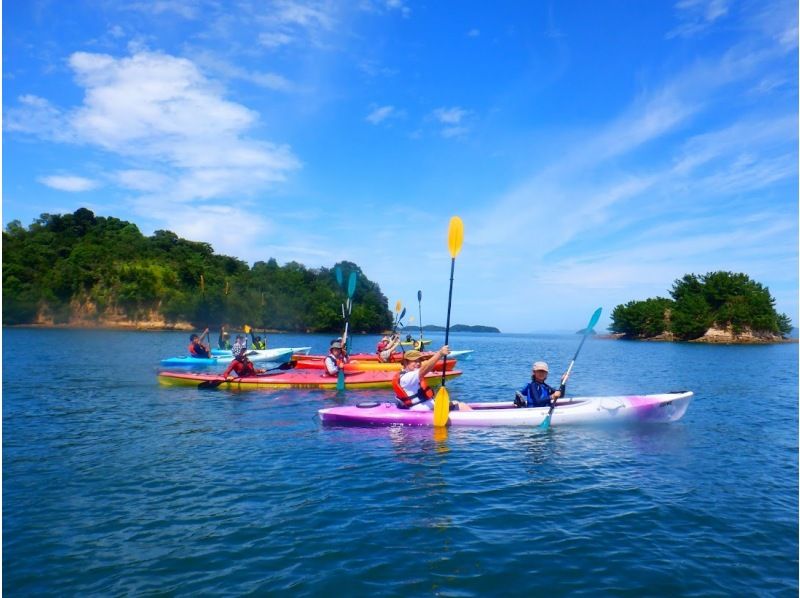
<point x="228" y="370"/>
<point x="428" y="365"/>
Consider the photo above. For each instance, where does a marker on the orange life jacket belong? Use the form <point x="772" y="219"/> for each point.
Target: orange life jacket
<point x="423" y="394"/>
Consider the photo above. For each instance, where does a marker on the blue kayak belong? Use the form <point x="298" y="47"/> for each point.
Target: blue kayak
<point x="281" y="355"/>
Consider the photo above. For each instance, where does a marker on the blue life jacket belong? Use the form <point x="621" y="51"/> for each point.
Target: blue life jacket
<point x="538" y="394"/>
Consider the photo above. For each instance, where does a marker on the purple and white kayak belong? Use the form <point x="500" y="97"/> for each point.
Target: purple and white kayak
<point x="657" y="408"/>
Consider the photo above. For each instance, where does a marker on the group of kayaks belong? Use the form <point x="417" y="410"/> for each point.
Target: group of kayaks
<point x="299" y="370"/>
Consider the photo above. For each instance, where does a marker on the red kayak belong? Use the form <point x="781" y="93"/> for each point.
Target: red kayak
<point x="291" y="379"/>
<point x="396" y="357"/>
<point x="366" y="366"/>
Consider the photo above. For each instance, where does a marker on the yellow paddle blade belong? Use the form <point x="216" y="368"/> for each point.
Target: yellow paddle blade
<point x="246" y="329"/>
<point x="441" y="407"/>
<point x="455" y="236"/>
<point x="398" y="306"/>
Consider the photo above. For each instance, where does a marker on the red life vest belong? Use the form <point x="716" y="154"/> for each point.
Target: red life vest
<point x="243" y="369"/>
<point x="193" y="350"/>
<point x="423" y="394"/>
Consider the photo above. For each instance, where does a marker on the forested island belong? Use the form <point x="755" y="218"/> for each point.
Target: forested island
<point x="453" y="328"/>
<point x="715" y="307"/>
<point x="79" y="269"/>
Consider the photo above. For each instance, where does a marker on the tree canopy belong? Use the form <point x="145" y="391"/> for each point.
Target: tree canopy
<point x="719" y="299"/>
<point x="64" y="261"/>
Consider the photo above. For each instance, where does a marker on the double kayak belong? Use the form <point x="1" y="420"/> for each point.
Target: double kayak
<point x="280" y="355"/>
<point x="655" y="408"/>
<point x="367" y="366"/>
<point x="309" y="379"/>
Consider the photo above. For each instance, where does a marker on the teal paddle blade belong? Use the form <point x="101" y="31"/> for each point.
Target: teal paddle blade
<point x="339" y="277"/>
<point x="340" y="380"/>
<point x="351" y="284"/>
<point x="546" y="422"/>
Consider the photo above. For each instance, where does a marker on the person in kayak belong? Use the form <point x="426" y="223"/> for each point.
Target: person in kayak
<point x="224" y="342"/>
<point x="335" y="359"/>
<point x="537" y="392"/>
<point x="258" y="342"/>
<point x="241" y="365"/>
<point x="386" y="347"/>
<point x="411" y="389"/>
<point x="197" y="348"/>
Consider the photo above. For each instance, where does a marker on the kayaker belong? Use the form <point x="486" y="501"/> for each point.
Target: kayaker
<point x="335" y="359"/>
<point x="242" y="366"/>
<point x="239" y="345"/>
<point x="537" y="393"/>
<point x="197" y="348"/>
<point x="386" y="347"/>
<point x="223" y="342"/>
<point x="257" y="341"/>
<point x="411" y="389"/>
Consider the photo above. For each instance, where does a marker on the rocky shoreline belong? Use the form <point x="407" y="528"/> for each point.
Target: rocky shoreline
<point x="712" y="336"/>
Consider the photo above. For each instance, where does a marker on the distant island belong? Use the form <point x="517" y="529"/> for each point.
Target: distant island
<point x="718" y="307"/>
<point x="453" y="328"/>
<point x="82" y="270"/>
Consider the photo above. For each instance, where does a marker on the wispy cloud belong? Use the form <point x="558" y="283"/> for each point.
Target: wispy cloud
<point x="380" y="114"/>
<point x="287" y="22"/>
<point x="70" y="183"/>
<point x="188" y="9"/>
<point x="453" y="119"/>
<point x="696" y="16"/>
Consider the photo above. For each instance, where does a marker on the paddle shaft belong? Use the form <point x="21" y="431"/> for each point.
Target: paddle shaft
<point x="419" y="301"/>
<point x="447" y="326"/>
<point x="595" y="316"/>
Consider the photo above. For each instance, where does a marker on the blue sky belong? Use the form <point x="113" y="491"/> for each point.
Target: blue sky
<point x="596" y="151"/>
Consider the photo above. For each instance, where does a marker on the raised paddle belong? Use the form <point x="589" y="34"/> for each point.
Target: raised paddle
<point x="419" y="302"/>
<point x="351" y="289"/>
<point x="400" y="317"/>
<point x="455" y="238"/>
<point x="563" y="388"/>
<point x="339" y="278"/>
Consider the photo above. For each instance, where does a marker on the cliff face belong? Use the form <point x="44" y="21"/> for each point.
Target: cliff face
<point x="716" y="336"/>
<point x="746" y="336"/>
<point x="86" y="315"/>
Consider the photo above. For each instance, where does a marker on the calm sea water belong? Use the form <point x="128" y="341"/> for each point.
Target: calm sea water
<point x="113" y="485"/>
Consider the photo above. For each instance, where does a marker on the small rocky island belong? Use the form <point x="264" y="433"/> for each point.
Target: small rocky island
<point x="718" y="307"/>
<point x="454" y="328"/>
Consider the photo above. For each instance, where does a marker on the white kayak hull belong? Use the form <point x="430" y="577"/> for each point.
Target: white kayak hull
<point x="656" y="408"/>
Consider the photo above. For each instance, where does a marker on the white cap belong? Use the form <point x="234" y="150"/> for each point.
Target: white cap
<point x="540" y="365"/>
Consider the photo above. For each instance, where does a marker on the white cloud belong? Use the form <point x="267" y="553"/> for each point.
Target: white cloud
<point x="186" y="143"/>
<point x="213" y="63"/>
<point x="184" y="8"/>
<point x="274" y="39"/>
<point x="450" y="116"/>
<point x="380" y="114"/>
<point x="69" y="183"/>
<point x="473" y="32"/>
<point x="37" y="116"/>
<point x="453" y="121"/>
<point x="696" y="16"/>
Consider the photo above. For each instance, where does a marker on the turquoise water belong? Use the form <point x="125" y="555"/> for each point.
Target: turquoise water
<point x="113" y="485"/>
